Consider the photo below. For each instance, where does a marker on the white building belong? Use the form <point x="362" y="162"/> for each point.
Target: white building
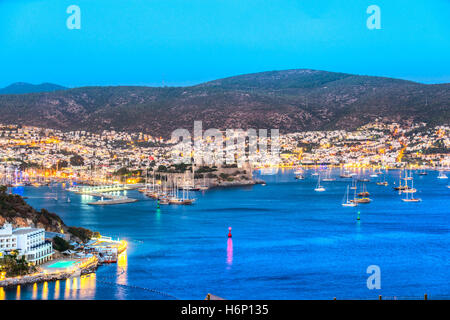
<point x="29" y="242"/>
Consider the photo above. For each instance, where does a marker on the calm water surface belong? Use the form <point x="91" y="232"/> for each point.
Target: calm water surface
<point x="289" y="242"/>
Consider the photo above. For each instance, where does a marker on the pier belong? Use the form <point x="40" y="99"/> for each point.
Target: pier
<point x="90" y="190"/>
<point x="102" y="192"/>
<point x="120" y="200"/>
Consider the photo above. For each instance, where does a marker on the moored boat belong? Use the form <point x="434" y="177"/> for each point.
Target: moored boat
<point x="319" y="188"/>
<point x="362" y="200"/>
<point x="347" y="202"/>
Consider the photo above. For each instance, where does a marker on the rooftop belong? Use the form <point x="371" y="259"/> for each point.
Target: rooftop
<point x="26" y="230"/>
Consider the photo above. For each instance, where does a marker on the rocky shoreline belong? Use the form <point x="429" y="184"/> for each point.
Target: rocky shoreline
<point x="238" y="183"/>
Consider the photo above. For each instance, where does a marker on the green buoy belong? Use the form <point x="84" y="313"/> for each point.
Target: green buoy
<point x="357" y="218"/>
<point x="157" y="204"/>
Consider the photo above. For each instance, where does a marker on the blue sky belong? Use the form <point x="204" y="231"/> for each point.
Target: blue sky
<point x="182" y="42"/>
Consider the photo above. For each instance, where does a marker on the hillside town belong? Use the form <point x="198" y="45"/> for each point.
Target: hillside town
<point x="31" y="151"/>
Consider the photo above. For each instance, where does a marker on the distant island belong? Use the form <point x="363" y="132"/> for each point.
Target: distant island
<point x="291" y="100"/>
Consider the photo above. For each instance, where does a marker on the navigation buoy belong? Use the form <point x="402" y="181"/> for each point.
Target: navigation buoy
<point x="229" y="232"/>
<point x="358" y="216"/>
<point x="157" y="204"/>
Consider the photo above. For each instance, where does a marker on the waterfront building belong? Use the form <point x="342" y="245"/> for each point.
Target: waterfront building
<point x="28" y="242"/>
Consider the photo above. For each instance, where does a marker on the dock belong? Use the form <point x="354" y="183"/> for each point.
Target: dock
<point x="103" y="193"/>
<point x="98" y="189"/>
<point x="112" y="201"/>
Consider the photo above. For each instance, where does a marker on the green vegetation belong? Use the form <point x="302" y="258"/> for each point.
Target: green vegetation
<point x="122" y="172"/>
<point x="292" y="100"/>
<point x="162" y="168"/>
<point x="205" y="169"/>
<point x="60" y="244"/>
<point x="83" y="234"/>
<point x="226" y="176"/>
<point x="77" y="160"/>
<point x="15" y="266"/>
<point x="29" y="165"/>
<point x="60" y="164"/>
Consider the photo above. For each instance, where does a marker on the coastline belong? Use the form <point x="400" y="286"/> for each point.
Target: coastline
<point x="88" y="266"/>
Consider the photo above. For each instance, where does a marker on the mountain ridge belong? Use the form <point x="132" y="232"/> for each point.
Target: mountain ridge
<point x="291" y="100"/>
<point x="24" y="88"/>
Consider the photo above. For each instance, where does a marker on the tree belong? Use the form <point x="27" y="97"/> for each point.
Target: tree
<point x="60" y="164"/>
<point x="60" y="244"/>
<point x="77" y="160"/>
<point x="122" y="172"/>
<point x="162" y="168"/>
<point x="14" y="266"/>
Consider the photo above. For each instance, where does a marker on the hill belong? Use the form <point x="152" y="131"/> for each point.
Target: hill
<point x="14" y="210"/>
<point x="291" y="100"/>
<point x="23" y="87"/>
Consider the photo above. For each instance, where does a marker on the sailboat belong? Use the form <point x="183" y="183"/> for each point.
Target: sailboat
<point x="204" y="186"/>
<point x="185" y="199"/>
<point x="364" y="193"/>
<point x="374" y="175"/>
<point x="299" y="176"/>
<point x="298" y="170"/>
<point x="346" y="202"/>
<point x="315" y="173"/>
<point x="408" y="177"/>
<point x="364" y="179"/>
<point x="410" y="198"/>
<point x="319" y="188"/>
<point x="410" y="189"/>
<point x="401" y="187"/>
<point x="384" y="182"/>
<point x="353" y="187"/>
<point x="363" y="197"/>
<point x="345" y="174"/>
<point x="422" y="172"/>
<point x="328" y="176"/>
<point x="442" y="175"/>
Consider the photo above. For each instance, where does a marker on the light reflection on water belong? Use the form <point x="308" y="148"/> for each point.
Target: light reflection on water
<point x="122" y="266"/>
<point x="82" y="287"/>
<point x="18" y="292"/>
<point x="35" y="291"/>
<point x="57" y="288"/>
<point x="45" y="291"/>
<point x="229" y="252"/>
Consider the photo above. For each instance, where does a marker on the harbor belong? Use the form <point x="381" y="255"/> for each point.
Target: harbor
<point x="311" y="235"/>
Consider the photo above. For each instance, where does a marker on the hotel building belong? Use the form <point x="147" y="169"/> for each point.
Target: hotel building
<point x="29" y="242"/>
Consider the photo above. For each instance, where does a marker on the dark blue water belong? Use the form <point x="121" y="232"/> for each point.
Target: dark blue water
<point x="289" y="242"/>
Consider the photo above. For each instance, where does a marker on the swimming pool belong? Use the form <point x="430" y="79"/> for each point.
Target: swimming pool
<point x="62" y="264"/>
